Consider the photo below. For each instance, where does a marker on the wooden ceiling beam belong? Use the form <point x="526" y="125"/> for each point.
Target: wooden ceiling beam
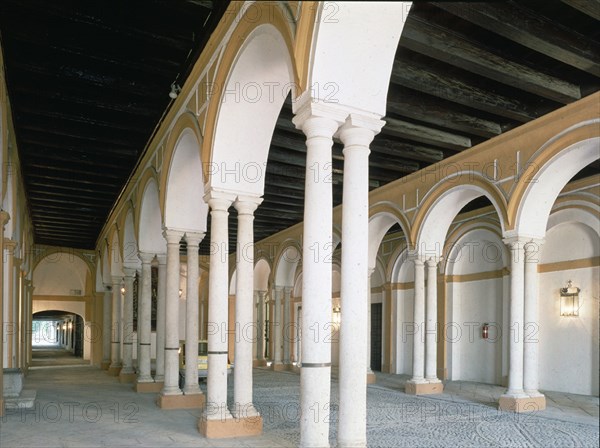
<point x="72" y="168"/>
<point x="133" y="125"/>
<point x="73" y="135"/>
<point x="531" y="30"/>
<point x="98" y="183"/>
<point x="452" y="48"/>
<point x="420" y="106"/>
<point x="452" y="86"/>
<point x="426" y="135"/>
<point x="81" y="146"/>
<point x="588" y="7"/>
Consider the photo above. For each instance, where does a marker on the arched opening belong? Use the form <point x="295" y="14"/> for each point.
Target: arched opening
<point x="402" y="281"/>
<point x="388" y="230"/>
<point x="476" y="295"/>
<point x="58" y="338"/>
<point x="569" y="359"/>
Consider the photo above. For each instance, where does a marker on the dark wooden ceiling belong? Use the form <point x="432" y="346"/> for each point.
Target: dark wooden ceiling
<point x="89" y="82"/>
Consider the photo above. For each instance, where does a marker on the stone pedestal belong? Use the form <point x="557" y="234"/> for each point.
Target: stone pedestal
<point x="127" y="377"/>
<point x="230" y="427"/>
<point x="147" y="388"/>
<point x="104" y="365"/>
<point x="425" y="388"/>
<point x="522" y="404"/>
<point x="114" y="371"/>
<point x="194" y="401"/>
<point x="371" y="378"/>
<point x="14" y="396"/>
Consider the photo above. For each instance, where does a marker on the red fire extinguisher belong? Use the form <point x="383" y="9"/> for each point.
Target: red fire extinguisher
<point x="485" y="330"/>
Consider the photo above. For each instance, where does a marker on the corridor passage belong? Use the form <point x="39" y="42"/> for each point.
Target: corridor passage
<point x="83" y="407"/>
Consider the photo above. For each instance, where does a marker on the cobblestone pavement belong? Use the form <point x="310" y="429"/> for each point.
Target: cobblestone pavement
<point x="83" y="407"/>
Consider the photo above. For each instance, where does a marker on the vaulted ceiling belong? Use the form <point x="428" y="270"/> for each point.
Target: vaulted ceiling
<point x="89" y="82"/>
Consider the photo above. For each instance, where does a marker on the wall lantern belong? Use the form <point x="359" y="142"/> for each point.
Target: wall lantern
<point x="569" y="300"/>
<point x="337" y="311"/>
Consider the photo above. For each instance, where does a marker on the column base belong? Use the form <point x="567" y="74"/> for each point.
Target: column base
<point x="114" y="370"/>
<point x="259" y="363"/>
<point x="104" y="365"/>
<point x="194" y="401"/>
<point x="279" y="367"/>
<point x="230" y="427"/>
<point x="423" y="388"/>
<point x="127" y="377"/>
<point x="147" y="387"/>
<point x="371" y="378"/>
<point x="522" y="403"/>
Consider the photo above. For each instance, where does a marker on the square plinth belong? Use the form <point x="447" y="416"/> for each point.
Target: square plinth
<point x="147" y="388"/>
<point x="522" y="404"/>
<point x="193" y="401"/>
<point x="423" y="388"/>
<point x="114" y="371"/>
<point x="230" y="427"/>
<point x="127" y="377"/>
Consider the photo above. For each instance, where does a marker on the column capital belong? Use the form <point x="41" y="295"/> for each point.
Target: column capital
<point x="424" y="258"/>
<point x="4" y="217"/>
<point x="194" y="238"/>
<point x="10" y="244"/>
<point x="534" y="244"/>
<point x="116" y="280"/>
<point x="129" y="272"/>
<point x="107" y="287"/>
<point x="309" y="113"/>
<point x="515" y="242"/>
<point x="432" y="262"/>
<point x="359" y="130"/>
<point x="145" y="257"/>
<point x="246" y="205"/>
<point x="172" y="236"/>
<point x="219" y="200"/>
<point x="262" y="294"/>
<point x="287" y="291"/>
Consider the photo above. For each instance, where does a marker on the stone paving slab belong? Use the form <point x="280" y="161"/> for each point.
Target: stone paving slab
<point x="84" y="407"/>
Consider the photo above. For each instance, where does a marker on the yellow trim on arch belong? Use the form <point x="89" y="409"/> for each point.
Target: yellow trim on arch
<point x="269" y="15"/>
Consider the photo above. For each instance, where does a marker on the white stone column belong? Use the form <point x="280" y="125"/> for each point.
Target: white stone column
<point x="191" y="321"/>
<point x="531" y="328"/>
<point x="315" y="375"/>
<point x="356" y="134"/>
<point x="106" y="322"/>
<point x="128" y="323"/>
<point x="517" y="308"/>
<point x="260" y="326"/>
<point x="431" y="325"/>
<point x="287" y="326"/>
<point x="242" y="373"/>
<point x="161" y="306"/>
<point x="144" y="325"/>
<point x="277" y="328"/>
<point x="218" y="311"/>
<point x="419" y="322"/>
<point x="171" y="383"/>
<point x="115" y="348"/>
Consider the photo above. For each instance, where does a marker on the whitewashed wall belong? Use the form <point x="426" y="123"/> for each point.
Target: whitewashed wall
<point x="569" y="345"/>
<point x="473" y="303"/>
